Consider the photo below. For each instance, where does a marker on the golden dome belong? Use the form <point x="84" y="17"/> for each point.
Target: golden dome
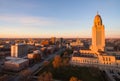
<point x="97" y="20"/>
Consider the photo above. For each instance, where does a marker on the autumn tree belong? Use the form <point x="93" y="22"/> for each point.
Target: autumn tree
<point x="46" y="63"/>
<point x="3" y="78"/>
<point x="46" y="76"/>
<point x="41" y="78"/>
<point x="74" y="79"/>
<point x="65" y="54"/>
<point x="25" y="75"/>
<point x="65" y="62"/>
<point x="57" y="61"/>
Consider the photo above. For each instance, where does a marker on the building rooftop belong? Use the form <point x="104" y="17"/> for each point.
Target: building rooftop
<point x="19" y="44"/>
<point x="88" y="56"/>
<point x="14" y="60"/>
<point x="84" y="55"/>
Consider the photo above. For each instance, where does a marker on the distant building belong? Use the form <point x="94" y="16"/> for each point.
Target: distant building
<point x="35" y="54"/>
<point x="68" y="46"/>
<point x="44" y="42"/>
<point x="19" y="50"/>
<point x="77" y="43"/>
<point x="15" y="64"/>
<point x="31" y="41"/>
<point x="53" y="40"/>
<point x="61" y="40"/>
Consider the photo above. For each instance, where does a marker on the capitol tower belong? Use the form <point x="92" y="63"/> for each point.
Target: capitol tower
<point x="98" y="35"/>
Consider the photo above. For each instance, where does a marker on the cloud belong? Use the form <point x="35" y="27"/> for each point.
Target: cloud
<point x="38" y="21"/>
<point x="27" y="20"/>
<point x="32" y="26"/>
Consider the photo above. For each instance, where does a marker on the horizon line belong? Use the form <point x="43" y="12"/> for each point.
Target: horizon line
<point x="57" y="37"/>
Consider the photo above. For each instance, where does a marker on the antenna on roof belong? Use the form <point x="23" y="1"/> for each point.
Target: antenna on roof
<point x="97" y="13"/>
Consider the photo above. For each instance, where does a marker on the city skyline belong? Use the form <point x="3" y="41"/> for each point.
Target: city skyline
<point x="64" y="18"/>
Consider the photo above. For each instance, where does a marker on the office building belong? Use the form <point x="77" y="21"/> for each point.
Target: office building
<point x="19" y="50"/>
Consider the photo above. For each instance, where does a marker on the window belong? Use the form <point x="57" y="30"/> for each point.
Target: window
<point x="106" y="59"/>
<point x="103" y="59"/>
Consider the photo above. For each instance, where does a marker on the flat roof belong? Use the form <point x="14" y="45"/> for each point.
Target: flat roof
<point x="85" y="55"/>
<point x="88" y="56"/>
<point x="19" y="44"/>
<point x="10" y="58"/>
<point x="13" y="60"/>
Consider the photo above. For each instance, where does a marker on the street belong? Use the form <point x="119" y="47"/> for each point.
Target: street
<point x="36" y="66"/>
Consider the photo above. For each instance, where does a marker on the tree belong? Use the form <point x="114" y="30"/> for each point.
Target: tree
<point x="3" y="78"/>
<point x="46" y="63"/>
<point x="25" y="75"/>
<point x="57" y="61"/>
<point x="41" y="78"/>
<point x="65" y="62"/>
<point x="74" y="79"/>
<point x="46" y="76"/>
<point x="65" y="53"/>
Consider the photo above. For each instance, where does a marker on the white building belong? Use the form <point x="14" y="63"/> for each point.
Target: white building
<point x="76" y="43"/>
<point x="15" y="64"/>
<point x="102" y="61"/>
<point x="19" y="50"/>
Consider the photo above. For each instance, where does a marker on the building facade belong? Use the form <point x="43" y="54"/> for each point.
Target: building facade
<point x="19" y="50"/>
<point x="98" y="34"/>
<point x="76" y="43"/>
<point x="96" y="56"/>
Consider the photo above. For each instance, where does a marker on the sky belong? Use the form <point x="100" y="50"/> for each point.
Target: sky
<point x="57" y="18"/>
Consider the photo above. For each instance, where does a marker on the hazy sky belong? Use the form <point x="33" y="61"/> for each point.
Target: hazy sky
<point x="59" y="18"/>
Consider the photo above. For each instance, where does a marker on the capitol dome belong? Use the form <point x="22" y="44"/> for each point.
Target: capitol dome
<point x="97" y="20"/>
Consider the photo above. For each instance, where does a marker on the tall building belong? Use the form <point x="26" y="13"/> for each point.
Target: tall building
<point x="98" y="34"/>
<point x="19" y="50"/>
<point x="53" y="40"/>
<point x="94" y="57"/>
